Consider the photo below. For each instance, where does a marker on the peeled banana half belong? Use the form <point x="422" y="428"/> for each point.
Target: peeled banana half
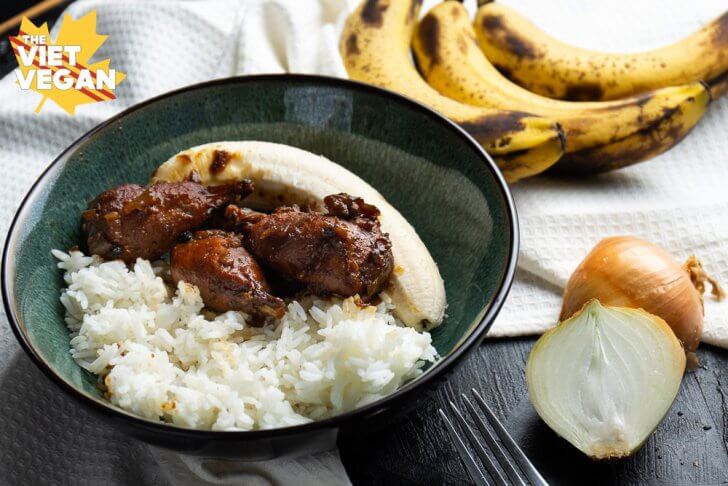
<point x="375" y="48"/>
<point x="285" y="175"/>
<point x="547" y="66"/>
<point x="612" y="133"/>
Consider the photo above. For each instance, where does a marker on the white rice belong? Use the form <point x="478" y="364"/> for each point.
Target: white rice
<point x="160" y="356"/>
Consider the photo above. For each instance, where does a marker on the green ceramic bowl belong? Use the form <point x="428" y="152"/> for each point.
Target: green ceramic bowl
<point x="432" y="171"/>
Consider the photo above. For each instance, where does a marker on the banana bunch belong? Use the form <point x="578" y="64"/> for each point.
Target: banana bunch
<point x="649" y="109"/>
<point x="549" y="67"/>
<point x="375" y="48"/>
<point x="600" y="135"/>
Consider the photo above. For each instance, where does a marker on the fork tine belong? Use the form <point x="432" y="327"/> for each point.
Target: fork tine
<point x="485" y="459"/>
<point x="475" y="473"/>
<point x="523" y="463"/>
<point x="505" y="462"/>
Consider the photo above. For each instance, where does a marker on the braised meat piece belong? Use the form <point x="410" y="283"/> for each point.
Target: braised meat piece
<point x="131" y="221"/>
<point x="227" y="276"/>
<point x="342" y="252"/>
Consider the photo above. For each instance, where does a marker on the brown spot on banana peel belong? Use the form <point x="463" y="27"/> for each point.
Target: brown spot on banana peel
<point x="220" y="159"/>
<point x="508" y="74"/>
<point x="491" y="129"/>
<point x="576" y="130"/>
<point x="428" y="35"/>
<point x="184" y="159"/>
<point x="351" y="47"/>
<point x="517" y="45"/>
<point x="372" y="12"/>
<point x="584" y="92"/>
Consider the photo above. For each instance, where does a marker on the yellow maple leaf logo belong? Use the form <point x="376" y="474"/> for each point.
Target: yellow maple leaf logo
<point x="60" y="70"/>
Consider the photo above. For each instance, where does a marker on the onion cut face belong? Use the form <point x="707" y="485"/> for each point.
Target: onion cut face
<point x="604" y="379"/>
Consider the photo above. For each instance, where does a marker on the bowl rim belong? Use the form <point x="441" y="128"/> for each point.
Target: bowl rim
<point x="337" y="421"/>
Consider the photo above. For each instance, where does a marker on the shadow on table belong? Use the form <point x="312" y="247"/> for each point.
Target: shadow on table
<point x="553" y="457"/>
<point x="606" y="181"/>
<point x="688" y="447"/>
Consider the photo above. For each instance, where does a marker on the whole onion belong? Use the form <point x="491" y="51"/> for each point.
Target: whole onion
<point x="629" y="272"/>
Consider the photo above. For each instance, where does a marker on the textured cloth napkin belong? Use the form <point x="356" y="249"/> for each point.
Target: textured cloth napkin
<point x="678" y="200"/>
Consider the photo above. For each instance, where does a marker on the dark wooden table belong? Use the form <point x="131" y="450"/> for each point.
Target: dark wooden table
<point x="689" y="447"/>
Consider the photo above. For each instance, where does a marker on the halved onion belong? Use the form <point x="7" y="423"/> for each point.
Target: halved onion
<point x="604" y="379"/>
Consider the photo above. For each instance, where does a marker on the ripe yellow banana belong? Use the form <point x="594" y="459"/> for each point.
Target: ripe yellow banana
<point x="450" y="60"/>
<point x="547" y="66"/>
<point x="375" y="47"/>
<point x="639" y="146"/>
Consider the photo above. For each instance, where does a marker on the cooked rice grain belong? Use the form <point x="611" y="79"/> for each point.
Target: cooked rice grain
<point x="160" y="357"/>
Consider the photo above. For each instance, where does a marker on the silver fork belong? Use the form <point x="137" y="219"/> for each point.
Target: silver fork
<point x="510" y="465"/>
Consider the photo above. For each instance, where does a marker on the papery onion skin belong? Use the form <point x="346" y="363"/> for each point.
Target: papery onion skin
<point x="631" y="272"/>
